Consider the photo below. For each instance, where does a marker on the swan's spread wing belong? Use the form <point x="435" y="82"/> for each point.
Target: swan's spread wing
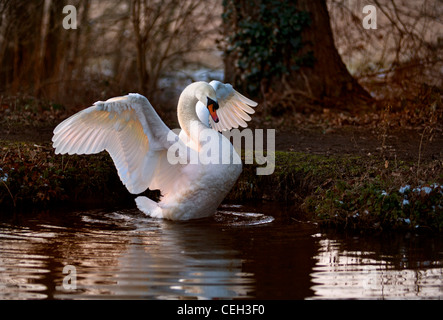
<point x="234" y="108"/>
<point x="128" y="128"/>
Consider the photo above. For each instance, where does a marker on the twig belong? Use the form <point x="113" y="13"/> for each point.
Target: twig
<point x="10" y="193"/>
<point x="308" y="86"/>
<point x="420" y="151"/>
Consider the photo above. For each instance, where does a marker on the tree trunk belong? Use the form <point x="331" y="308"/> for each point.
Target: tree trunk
<point x="325" y="82"/>
<point x="19" y="38"/>
<point x="54" y="51"/>
<point x="140" y="41"/>
<point x="328" y="78"/>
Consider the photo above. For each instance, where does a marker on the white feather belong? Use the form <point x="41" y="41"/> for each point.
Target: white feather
<point x="118" y="126"/>
<point x="234" y="108"/>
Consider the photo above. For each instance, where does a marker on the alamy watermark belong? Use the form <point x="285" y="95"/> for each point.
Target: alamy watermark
<point x="214" y="150"/>
<point x="70" y="20"/>
<point x="370" y="21"/>
<point x="70" y="280"/>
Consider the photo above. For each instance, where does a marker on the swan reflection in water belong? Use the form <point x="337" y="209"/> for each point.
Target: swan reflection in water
<point x="160" y="260"/>
<point x="183" y="261"/>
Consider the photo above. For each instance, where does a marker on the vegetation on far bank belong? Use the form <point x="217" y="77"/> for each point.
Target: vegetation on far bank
<point x="352" y="192"/>
<point x="348" y="191"/>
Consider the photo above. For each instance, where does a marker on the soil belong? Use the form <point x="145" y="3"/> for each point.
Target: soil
<point x="398" y="144"/>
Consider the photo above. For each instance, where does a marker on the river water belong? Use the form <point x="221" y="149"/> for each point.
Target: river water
<point x="245" y="251"/>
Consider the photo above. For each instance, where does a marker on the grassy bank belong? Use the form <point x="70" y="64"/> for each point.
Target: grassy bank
<point x="353" y="192"/>
<point x="358" y="192"/>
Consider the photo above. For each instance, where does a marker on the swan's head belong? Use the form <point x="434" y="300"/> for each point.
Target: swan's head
<point x="205" y="93"/>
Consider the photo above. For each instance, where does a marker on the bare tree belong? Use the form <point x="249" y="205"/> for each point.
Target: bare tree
<point x="167" y="34"/>
<point x="19" y="41"/>
<point x="406" y="49"/>
<point x="118" y="47"/>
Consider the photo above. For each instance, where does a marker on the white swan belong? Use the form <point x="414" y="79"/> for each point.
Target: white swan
<point x="138" y="141"/>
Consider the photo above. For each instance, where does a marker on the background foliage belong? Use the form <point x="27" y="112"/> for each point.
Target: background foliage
<point x="266" y="41"/>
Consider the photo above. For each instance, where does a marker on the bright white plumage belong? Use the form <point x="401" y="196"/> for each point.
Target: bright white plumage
<point x="138" y="141"/>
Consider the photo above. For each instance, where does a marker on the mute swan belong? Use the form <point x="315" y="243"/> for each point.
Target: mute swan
<point x="138" y="141"/>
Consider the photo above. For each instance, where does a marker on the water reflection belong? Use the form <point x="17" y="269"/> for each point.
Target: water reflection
<point x="120" y="255"/>
<point x="241" y="253"/>
<point x="385" y="269"/>
<point x="175" y="260"/>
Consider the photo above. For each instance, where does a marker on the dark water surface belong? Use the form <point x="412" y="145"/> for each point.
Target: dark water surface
<point x="243" y="252"/>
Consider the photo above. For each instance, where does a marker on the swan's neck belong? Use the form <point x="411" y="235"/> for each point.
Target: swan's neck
<point x="187" y="116"/>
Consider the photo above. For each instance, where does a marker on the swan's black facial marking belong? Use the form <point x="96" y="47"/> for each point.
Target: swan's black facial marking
<point x="215" y="103"/>
<point x="212" y="107"/>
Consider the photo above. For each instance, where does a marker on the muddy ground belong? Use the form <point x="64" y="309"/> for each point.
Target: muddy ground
<point x="400" y="144"/>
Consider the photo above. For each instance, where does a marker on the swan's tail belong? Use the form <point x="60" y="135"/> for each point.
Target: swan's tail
<point x="149" y="207"/>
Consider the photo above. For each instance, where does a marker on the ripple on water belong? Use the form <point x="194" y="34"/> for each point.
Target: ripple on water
<point x="242" y="219"/>
<point x="21" y="268"/>
<point x="345" y="274"/>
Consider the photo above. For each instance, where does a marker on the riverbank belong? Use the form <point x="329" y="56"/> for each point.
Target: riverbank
<point x="351" y="191"/>
<point x="369" y="170"/>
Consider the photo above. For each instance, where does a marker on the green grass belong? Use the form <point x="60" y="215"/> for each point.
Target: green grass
<point x="352" y="192"/>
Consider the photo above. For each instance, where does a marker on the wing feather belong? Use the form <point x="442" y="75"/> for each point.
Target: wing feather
<point x="127" y="127"/>
<point x="234" y="108"/>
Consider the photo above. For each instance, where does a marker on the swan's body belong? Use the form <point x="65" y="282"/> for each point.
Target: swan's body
<point x="138" y="141"/>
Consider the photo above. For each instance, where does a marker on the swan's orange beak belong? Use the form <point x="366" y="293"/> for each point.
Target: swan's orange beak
<point x="212" y="107"/>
